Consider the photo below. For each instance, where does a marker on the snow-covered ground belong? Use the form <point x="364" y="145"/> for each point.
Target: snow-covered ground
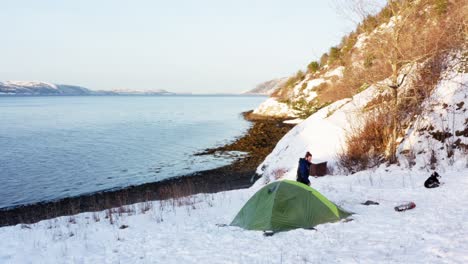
<point x="436" y="231"/>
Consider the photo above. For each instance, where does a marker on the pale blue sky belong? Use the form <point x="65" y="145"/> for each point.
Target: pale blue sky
<point x="201" y="46"/>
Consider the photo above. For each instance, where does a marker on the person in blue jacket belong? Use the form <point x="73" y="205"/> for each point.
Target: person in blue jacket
<point x="304" y="169"/>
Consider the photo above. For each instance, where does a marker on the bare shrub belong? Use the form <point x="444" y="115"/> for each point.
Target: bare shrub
<point x="125" y="209"/>
<point x="160" y="212"/>
<point x="209" y="198"/>
<point x="146" y="206"/>
<point x="353" y="80"/>
<point x="96" y="217"/>
<point x="109" y="215"/>
<point x="365" y="143"/>
<point x="391" y="115"/>
<point x="72" y="219"/>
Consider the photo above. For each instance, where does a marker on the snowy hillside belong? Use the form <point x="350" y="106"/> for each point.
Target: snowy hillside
<point x="24" y="88"/>
<point x="303" y="90"/>
<point x="439" y="136"/>
<point x="379" y="48"/>
<point x="439" y="132"/>
<point x="268" y="87"/>
<point x="41" y="88"/>
<point x="322" y="134"/>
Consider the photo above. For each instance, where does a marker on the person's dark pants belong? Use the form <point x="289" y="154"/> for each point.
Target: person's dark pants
<point x="304" y="181"/>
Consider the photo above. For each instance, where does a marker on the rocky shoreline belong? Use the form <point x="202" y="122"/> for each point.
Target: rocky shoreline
<point x="258" y="142"/>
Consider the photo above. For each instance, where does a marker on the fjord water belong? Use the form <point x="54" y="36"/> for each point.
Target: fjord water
<point x="55" y="147"/>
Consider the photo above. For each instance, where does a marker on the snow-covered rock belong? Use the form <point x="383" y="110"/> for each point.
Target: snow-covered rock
<point x="271" y="107"/>
<point x="338" y="72"/>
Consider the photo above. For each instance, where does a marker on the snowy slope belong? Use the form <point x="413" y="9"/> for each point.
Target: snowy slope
<point x="436" y="231"/>
<point x="322" y="134"/>
<point x="306" y="89"/>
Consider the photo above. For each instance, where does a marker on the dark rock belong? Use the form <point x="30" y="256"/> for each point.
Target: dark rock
<point x="369" y="202"/>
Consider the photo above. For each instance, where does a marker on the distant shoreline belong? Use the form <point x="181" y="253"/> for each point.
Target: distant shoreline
<point x="258" y="142"/>
<point x="136" y="95"/>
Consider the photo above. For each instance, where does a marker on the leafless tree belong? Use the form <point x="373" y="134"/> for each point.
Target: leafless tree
<point x="357" y="10"/>
<point x="409" y="38"/>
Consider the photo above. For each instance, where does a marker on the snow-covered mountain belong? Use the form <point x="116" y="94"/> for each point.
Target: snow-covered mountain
<point x="35" y="88"/>
<point x="41" y="88"/>
<point x="268" y="87"/>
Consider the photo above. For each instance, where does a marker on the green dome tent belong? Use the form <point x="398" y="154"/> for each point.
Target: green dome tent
<point x="286" y="205"/>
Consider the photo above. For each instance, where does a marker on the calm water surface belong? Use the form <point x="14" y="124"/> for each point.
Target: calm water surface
<point x="54" y="147"/>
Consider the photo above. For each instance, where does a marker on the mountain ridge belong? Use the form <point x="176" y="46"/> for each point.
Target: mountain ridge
<point x="39" y="88"/>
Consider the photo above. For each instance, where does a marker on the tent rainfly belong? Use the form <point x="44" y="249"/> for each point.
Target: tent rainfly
<point x="286" y="205"/>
